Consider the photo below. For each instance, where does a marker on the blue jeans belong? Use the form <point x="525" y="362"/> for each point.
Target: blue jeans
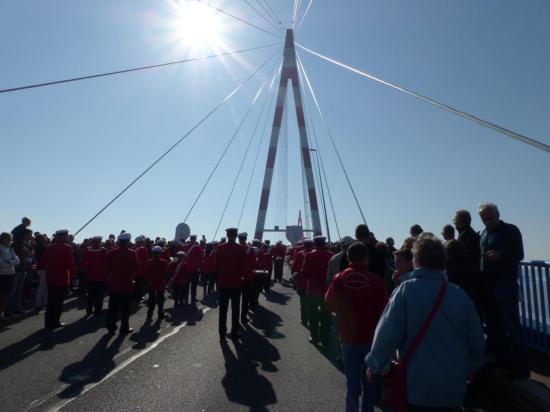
<point x="17" y="290"/>
<point x="356" y="382"/>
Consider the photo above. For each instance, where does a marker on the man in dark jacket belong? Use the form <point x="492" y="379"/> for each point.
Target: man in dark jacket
<point x="377" y="263"/>
<point x="467" y="236"/>
<point x="501" y="251"/>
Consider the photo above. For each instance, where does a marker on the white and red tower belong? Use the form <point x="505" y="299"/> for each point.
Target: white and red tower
<point x="289" y="71"/>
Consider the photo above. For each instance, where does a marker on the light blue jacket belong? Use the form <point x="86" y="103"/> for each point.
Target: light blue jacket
<point x="452" y="346"/>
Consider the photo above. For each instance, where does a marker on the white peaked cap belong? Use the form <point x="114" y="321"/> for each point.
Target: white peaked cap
<point x="125" y="236"/>
<point x="156" y="249"/>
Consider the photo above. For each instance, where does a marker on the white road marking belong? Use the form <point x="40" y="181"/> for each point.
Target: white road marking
<point x="60" y="405"/>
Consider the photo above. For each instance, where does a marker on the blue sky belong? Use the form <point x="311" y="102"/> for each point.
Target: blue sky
<point x="68" y="149"/>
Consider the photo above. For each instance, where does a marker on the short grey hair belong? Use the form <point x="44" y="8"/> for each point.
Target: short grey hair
<point x="488" y="206"/>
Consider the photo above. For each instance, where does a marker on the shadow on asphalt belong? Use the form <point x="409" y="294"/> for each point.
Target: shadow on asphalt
<point x="277" y="297"/>
<point x="268" y="322"/>
<point x="43" y="340"/>
<point x="92" y="368"/>
<point x="242" y="383"/>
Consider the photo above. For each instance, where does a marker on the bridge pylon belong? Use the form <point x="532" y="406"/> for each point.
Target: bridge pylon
<point x="289" y="71"/>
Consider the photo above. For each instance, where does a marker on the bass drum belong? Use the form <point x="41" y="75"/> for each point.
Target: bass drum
<point x="182" y="232"/>
<point x="294" y="233"/>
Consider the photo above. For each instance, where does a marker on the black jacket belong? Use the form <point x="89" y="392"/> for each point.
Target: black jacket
<point x="505" y="238"/>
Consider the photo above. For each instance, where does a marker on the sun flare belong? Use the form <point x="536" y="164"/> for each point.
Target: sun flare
<point x="197" y="25"/>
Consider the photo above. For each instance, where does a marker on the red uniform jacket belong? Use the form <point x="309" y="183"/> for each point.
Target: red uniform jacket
<point x="278" y="251"/>
<point x="314" y="271"/>
<point x="59" y="263"/>
<point x="295" y="252"/>
<point x="94" y="262"/>
<point x="180" y="273"/>
<point x="209" y="265"/>
<point x="165" y="254"/>
<point x="156" y="270"/>
<point x="264" y="260"/>
<point x="297" y="265"/>
<point x="122" y="265"/>
<point x="142" y="256"/>
<point x="194" y="257"/>
<point x="359" y="298"/>
<point x="230" y="264"/>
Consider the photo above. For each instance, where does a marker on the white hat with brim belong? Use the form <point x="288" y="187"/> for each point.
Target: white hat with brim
<point x="156" y="249"/>
<point x="124" y="237"/>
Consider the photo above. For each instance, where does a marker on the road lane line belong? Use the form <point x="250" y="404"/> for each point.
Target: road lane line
<point x="60" y="405"/>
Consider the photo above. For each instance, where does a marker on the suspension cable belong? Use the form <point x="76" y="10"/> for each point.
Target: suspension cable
<point x="244" y="157"/>
<point x="320" y="158"/>
<point x="301" y="66"/>
<point x="201" y="121"/>
<point x="269" y="11"/>
<point x="259" y="147"/>
<point x="239" y="19"/>
<point x="230" y="142"/>
<point x="259" y="13"/>
<point x="305" y="14"/>
<point x="471" y="117"/>
<point x="135" y="69"/>
<point x="308" y="116"/>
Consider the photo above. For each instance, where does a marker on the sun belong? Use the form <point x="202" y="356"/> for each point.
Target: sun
<point x="197" y="26"/>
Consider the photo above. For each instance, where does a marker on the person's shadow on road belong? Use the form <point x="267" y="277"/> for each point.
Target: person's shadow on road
<point x="92" y="368"/>
<point x="268" y="322"/>
<point x="242" y="382"/>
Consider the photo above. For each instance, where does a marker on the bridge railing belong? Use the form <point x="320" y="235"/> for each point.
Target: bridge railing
<point x="534" y="302"/>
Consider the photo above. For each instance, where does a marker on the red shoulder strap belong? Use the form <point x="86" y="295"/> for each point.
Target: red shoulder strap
<point x="414" y="345"/>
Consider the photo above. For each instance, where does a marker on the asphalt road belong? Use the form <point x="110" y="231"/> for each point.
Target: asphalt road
<point x="174" y="365"/>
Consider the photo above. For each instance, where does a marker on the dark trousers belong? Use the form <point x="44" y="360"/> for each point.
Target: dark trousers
<point x="267" y="281"/>
<point x="119" y="302"/>
<point x="227" y="294"/>
<point x="504" y="334"/>
<point x="139" y="287"/>
<point x="209" y="282"/>
<point x="257" y="286"/>
<point x="96" y="293"/>
<point x="194" y="281"/>
<point x="156" y="298"/>
<point x="180" y="293"/>
<point x="54" y="307"/>
<point x="278" y="269"/>
<point x="319" y="318"/>
<point x="247" y="300"/>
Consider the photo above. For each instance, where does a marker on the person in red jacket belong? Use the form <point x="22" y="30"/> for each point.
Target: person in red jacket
<point x="60" y="265"/>
<point x="358" y="297"/>
<point x="314" y="271"/>
<point x="299" y="280"/>
<point x="278" y="253"/>
<point x="94" y="262"/>
<point x="142" y="254"/>
<point x="156" y="270"/>
<point x="122" y="266"/>
<point x="265" y="264"/>
<point x="194" y="262"/>
<point x="180" y="279"/>
<point x="209" y="267"/>
<point x="248" y="278"/>
<point x="230" y="264"/>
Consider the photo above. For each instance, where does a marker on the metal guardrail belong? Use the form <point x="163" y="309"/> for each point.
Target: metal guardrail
<point x="534" y="302"/>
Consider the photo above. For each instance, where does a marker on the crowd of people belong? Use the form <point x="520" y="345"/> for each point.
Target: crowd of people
<point x="428" y="304"/>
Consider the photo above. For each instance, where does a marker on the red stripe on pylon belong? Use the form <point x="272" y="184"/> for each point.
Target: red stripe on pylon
<point x="307" y="158"/>
<point x="313" y="199"/>
<point x="278" y="117"/>
<point x="271" y="157"/>
<point x="264" y="199"/>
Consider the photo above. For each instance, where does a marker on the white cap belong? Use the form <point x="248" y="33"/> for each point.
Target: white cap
<point x="140" y="238"/>
<point x="347" y="240"/>
<point x="279" y="242"/>
<point x="256" y="241"/>
<point x="307" y="241"/>
<point x="125" y="237"/>
<point x="243" y="234"/>
<point x="193" y="236"/>
<point x="156" y="249"/>
<point x="61" y="232"/>
<point x="96" y="238"/>
<point x="181" y="253"/>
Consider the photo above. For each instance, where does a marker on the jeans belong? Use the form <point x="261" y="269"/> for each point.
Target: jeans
<point x="504" y="334"/>
<point x="356" y="382"/>
<point x="16" y="290"/>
